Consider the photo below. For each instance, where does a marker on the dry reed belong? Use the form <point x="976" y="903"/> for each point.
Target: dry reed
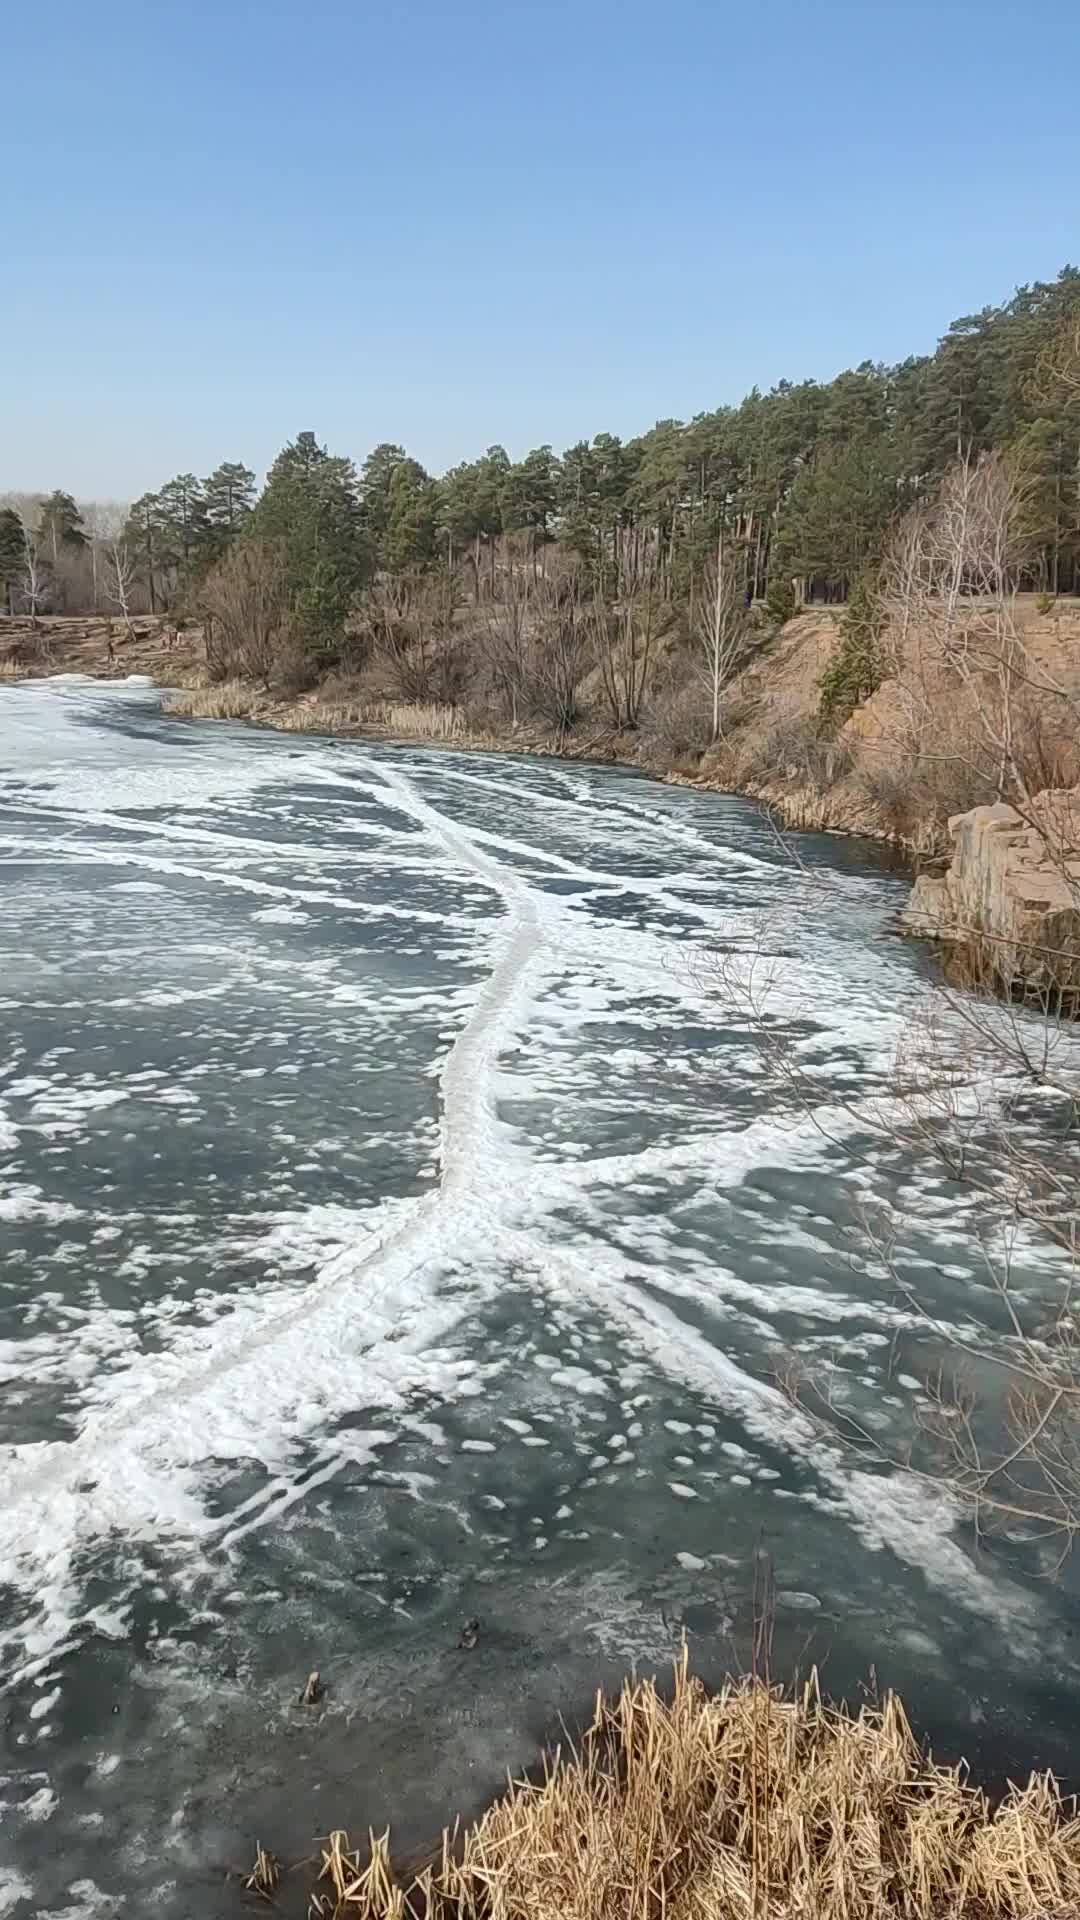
<point x="745" y="1805"/>
<point x="230" y="700"/>
<point x="239" y="700"/>
<point x="426" y="720"/>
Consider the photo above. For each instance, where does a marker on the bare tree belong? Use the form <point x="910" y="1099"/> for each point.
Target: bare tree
<point x="560" y="649"/>
<point x="975" y="706"/>
<point x="534" y="642"/>
<point x="104" y="521"/>
<point x="721" y="625"/>
<point x="32" y="579"/>
<point x="119" y="578"/>
<point x="625" y="632"/>
<point x="245" y="604"/>
<point x="411" y="623"/>
<point x="504" y="635"/>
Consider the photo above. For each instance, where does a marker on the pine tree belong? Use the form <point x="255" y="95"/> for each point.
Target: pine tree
<point x="409" y="539"/>
<point x="530" y="495"/>
<point x="183" y="523"/>
<point x="228" y="498"/>
<point x="60" y="524"/>
<point x="856" y="669"/>
<point x="12" y="553"/>
<point x="311" y="507"/>
<point x="837" y="511"/>
<point x="470" y="508"/>
<point x="145" y="537"/>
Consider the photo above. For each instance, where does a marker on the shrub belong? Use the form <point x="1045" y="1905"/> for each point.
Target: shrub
<point x="780" y="601"/>
<point x="1045" y="603"/>
<point x="245" y="604"/>
<point x="678" y="721"/>
<point x="856" y="670"/>
<point x="915" y="795"/>
<point x="796" y="749"/>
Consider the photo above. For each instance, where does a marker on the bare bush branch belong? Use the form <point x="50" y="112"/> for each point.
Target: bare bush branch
<point x="245" y="604"/>
<point x="624" y="635"/>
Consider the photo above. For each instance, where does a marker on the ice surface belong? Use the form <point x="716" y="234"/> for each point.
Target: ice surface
<point x="398" y="1226"/>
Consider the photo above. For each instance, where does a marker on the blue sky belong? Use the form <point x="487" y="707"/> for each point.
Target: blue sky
<point x="449" y="224"/>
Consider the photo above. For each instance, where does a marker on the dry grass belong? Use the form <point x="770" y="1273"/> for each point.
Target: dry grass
<point x="239" y="700"/>
<point x="427" y="720"/>
<point x="314" y="716"/>
<point x="747" y="1805"/>
<point x="231" y="700"/>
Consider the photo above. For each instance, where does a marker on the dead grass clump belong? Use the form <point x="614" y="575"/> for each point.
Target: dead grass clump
<point x="740" y="1806"/>
<point x="318" y="716"/>
<point x="427" y="720"/>
<point x="228" y="700"/>
<point x="265" y="1876"/>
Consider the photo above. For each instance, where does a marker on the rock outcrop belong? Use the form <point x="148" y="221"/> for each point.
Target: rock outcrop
<point x="1011" y="892"/>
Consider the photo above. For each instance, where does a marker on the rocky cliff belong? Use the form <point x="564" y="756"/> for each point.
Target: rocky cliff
<point x="1011" y="891"/>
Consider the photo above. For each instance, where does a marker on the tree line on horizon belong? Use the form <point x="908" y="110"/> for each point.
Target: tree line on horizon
<point x="801" y="483"/>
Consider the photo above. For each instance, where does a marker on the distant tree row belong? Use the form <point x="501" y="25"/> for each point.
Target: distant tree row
<point x="800" y="484"/>
<point x="57" y="556"/>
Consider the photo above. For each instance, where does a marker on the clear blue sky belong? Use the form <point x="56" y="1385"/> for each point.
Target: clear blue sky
<point x="449" y="222"/>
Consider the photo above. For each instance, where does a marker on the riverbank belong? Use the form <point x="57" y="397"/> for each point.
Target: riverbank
<point x="749" y="762"/>
<point x="748" y="1801"/>
<point x="103" y="649"/>
<point x="799" y="806"/>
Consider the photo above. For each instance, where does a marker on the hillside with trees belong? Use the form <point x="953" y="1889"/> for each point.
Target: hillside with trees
<point x="804" y="480"/>
<point x="638" y="589"/>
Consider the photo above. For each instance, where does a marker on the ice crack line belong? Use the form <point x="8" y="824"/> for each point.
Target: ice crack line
<point x="212" y="1395"/>
<point x="468" y="1116"/>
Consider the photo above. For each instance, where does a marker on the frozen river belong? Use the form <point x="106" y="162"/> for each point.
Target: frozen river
<point x="397" y="1226"/>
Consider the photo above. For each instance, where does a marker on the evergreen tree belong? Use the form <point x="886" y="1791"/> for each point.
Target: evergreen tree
<point x="857" y="669"/>
<point x="12" y="553"/>
<point x="1048" y="456"/>
<point x="470" y="507"/>
<point x="60" y="524"/>
<point x="145" y="537"/>
<point x="529" y="494"/>
<point x="228" y="499"/>
<point x="780" y="602"/>
<point x="839" y="506"/>
<point x="183" y="523"/>
<point x="311" y="508"/>
<point x="412" y="520"/>
<point x="593" y="496"/>
<point x="376" y="479"/>
<point x="400" y="508"/>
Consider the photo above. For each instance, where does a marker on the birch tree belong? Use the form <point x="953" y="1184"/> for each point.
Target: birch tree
<point x="33" y="573"/>
<point x="120" y="574"/>
<point x="721" y="625"/>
